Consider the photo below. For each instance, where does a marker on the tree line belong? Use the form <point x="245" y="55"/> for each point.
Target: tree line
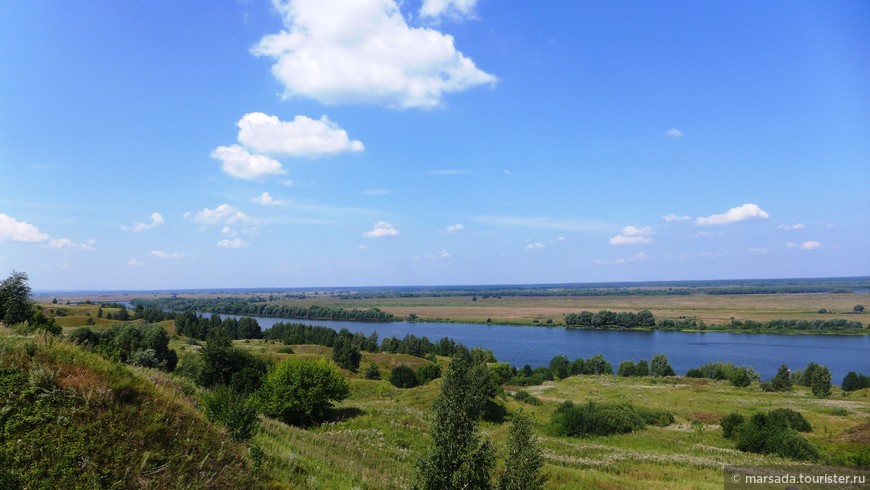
<point x="644" y="318"/>
<point x="252" y="307"/>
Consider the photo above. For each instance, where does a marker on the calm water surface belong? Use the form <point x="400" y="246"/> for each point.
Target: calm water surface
<point x="537" y="345"/>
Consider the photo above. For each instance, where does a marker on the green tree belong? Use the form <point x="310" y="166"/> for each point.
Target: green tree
<point x="820" y="382"/>
<point x="301" y="391"/>
<point x="524" y="461"/>
<point x="403" y="377"/>
<point x="372" y="372"/>
<point x="458" y="458"/>
<point x="231" y="409"/>
<point x="659" y="366"/>
<point x="858" y="309"/>
<point x="345" y="354"/>
<point x="560" y="366"/>
<point x="15" y="304"/>
<point x="782" y="380"/>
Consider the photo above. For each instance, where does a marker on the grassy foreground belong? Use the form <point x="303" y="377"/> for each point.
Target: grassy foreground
<point x="117" y="426"/>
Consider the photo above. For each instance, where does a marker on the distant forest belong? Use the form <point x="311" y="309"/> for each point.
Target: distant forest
<point x="253" y="307"/>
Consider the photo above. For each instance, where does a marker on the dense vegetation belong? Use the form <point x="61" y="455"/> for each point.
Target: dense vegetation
<point x="253" y="307"/>
<point x="604" y="419"/>
<point x="773" y="432"/>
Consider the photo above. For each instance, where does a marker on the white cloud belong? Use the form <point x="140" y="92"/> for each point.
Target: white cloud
<point x="301" y="137"/>
<point x="674" y="133"/>
<point x="266" y="199"/>
<point x="794" y="227"/>
<point x="381" y="229"/>
<point x="535" y="246"/>
<point x="442" y="255"/>
<point x="67" y="243"/>
<point x="542" y="222"/>
<point x="758" y="251"/>
<point x="228" y="231"/>
<point x="807" y="245"/>
<point x="156" y="220"/>
<point x="454" y="228"/>
<point x="239" y="163"/>
<point x="561" y="239"/>
<point x="733" y="215"/>
<point x="632" y="235"/>
<point x="234" y="243"/>
<point x="222" y="214"/>
<point x="18" y="231"/>
<point x="134" y="262"/>
<point x="167" y="255"/>
<point x="458" y="9"/>
<point x="673" y="217"/>
<point x="363" y="51"/>
<point x="707" y="234"/>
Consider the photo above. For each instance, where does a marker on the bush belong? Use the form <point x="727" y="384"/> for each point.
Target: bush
<point x="345" y="354"/>
<point x="653" y="416"/>
<point x="818" y="378"/>
<point x="232" y="410"/>
<point x="403" y="377"/>
<point x="854" y="381"/>
<point x="596" y="419"/>
<point x="773" y="433"/>
<point x="659" y="366"/>
<point x="560" y="366"/>
<point x="428" y="372"/>
<point x="372" y="372"/>
<point x="782" y="380"/>
<point x="301" y="391"/>
<point x="791" y="418"/>
<point x="285" y="349"/>
<point x="526" y="397"/>
<point x="729" y="423"/>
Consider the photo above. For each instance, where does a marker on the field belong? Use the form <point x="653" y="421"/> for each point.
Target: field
<point x="381" y="431"/>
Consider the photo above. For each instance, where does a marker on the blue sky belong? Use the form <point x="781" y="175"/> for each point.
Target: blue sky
<point x="165" y="144"/>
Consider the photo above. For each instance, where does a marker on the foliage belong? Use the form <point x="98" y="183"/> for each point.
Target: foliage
<point x="526" y="397"/>
<point x="773" y="433"/>
<point x="782" y="380"/>
<point x="629" y="368"/>
<point x="345" y="353"/>
<point x="403" y="377"/>
<point x="428" y="372"/>
<point x="223" y="364"/>
<point x="854" y="381"/>
<point x="15" y="303"/>
<point x="255" y="306"/>
<point x="198" y="326"/>
<point x="818" y="378"/>
<point x="659" y="366"/>
<point x="560" y="366"/>
<point x="605" y="318"/>
<point x="138" y="344"/>
<point x="457" y="459"/>
<point x="231" y="409"/>
<point x="525" y="460"/>
<point x="729" y="423"/>
<point x="372" y="372"/>
<point x="301" y="391"/>
<point x="596" y="419"/>
<point x="739" y="376"/>
<point x="858" y="309"/>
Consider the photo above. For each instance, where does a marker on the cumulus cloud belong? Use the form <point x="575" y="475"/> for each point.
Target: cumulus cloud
<point x="339" y="52"/>
<point x="156" y="220"/>
<point x="232" y="243"/>
<point x="18" y="231"/>
<point x="167" y="255"/>
<point x="458" y="9"/>
<point x="535" y="246"/>
<point x="674" y="133"/>
<point x="673" y="217"/>
<point x="381" y="229"/>
<point x="265" y="199"/>
<point x="454" y="228"/>
<point x="733" y="215"/>
<point x="301" y="137"/>
<point x="632" y="235"/>
<point x="794" y="227"/>
<point x="242" y="164"/>
<point x="807" y="245"/>
<point x="223" y="214"/>
<point x="134" y="262"/>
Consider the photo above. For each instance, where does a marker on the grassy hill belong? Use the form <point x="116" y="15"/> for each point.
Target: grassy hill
<point x="70" y="418"/>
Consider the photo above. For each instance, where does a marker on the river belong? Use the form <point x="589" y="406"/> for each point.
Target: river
<point x="535" y="346"/>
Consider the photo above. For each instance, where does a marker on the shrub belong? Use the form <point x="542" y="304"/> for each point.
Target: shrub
<point x="524" y="460"/>
<point x="659" y="366"/>
<point x="790" y="417"/>
<point x="560" y="366"/>
<point x="782" y="380"/>
<point x="345" y="354"/>
<point x="301" y="391"/>
<point x="596" y="419"/>
<point x="654" y="416"/>
<point x="772" y="433"/>
<point x="854" y="381"/>
<point x="428" y="372"/>
<point x="729" y="423"/>
<point x="232" y="410"/>
<point x="372" y="372"/>
<point x="526" y="397"/>
<point x="403" y="377"/>
<point x="818" y="378"/>
<point x="285" y="349"/>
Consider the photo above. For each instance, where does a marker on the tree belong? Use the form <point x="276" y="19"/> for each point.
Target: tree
<point x="524" y="461"/>
<point x="372" y="372"/>
<point x="782" y="380"/>
<point x="858" y="309"/>
<point x="403" y="377"/>
<point x="15" y="303"/>
<point x="301" y="391"/>
<point x="659" y="366"/>
<point x="560" y="366"/>
<point x="345" y="354"/>
<point x="458" y="458"/>
<point x="820" y="382"/>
